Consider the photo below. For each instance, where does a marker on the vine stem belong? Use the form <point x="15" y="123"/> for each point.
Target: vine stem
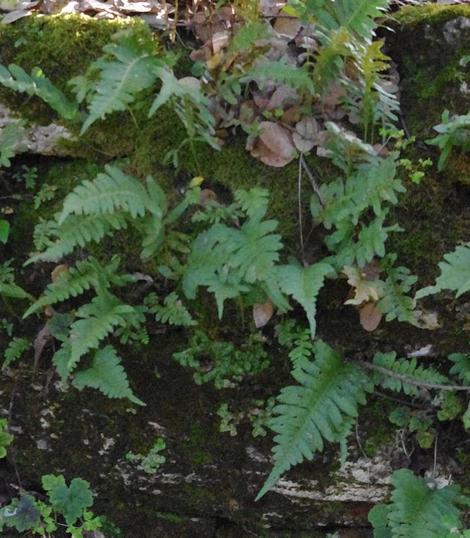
<point x="315" y="186"/>
<point x="411" y="380"/>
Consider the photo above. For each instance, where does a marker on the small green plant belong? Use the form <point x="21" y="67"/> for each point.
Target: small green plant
<point x="153" y="460"/>
<point x="67" y="507"/>
<point x="5" y="438"/>
<point x="418" y="509"/>
<point x="453" y="131"/>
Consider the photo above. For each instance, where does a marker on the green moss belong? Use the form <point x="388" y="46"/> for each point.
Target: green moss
<point x="431" y="14"/>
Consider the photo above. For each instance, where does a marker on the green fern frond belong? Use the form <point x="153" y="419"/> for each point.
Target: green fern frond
<point x="78" y="231"/>
<point x="85" y="275"/>
<point x="120" y="79"/>
<point x="296" y="338"/>
<point x="304" y="284"/>
<point x="172" y="311"/>
<point x="328" y="394"/>
<point x="16" y="78"/>
<point x="281" y="72"/>
<point x="461" y="366"/>
<point x="109" y="192"/>
<point x="15" y="349"/>
<point x="406" y="367"/>
<point x="10" y="139"/>
<point x="395" y="303"/>
<point x="99" y="318"/>
<point x="107" y="375"/>
<point x="417" y="510"/>
<point x="455" y="273"/>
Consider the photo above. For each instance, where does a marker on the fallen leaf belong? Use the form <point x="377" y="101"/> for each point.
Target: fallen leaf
<point x="364" y="290"/>
<point x="288" y="26"/>
<point x="274" y="146"/>
<point x="42" y="338"/>
<point x="220" y="40"/>
<point x="262" y="313"/>
<point x="283" y="97"/>
<point x="370" y="317"/>
<point x="207" y="195"/>
<point x="58" y="270"/>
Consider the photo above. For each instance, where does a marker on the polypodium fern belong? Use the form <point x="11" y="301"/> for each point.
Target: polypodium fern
<point x="10" y="139"/>
<point x="407" y="369"/>
<point x="303" y="284"/>
<point x="16" y="78"/>
<point x="107" y="375"/>
<point x="315" y="410"/>
<point x="97" y="319"/>
<point x="417" y="510"/>
<point x="128" y="72"/>
<point x="109" y="192"/>
<point x="76" y="280"/>
<point x="15" y="349"/>
<point x="455" y="273"/>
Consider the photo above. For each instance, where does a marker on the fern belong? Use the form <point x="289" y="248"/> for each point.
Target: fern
<point x="172" y="311"/>
<point x="461" y="366"/>
<point x="296" y="338"/>
<point x="417" y="510"/>
<point x="77" y="280"/>
<point x="129" y="72"/>
<point x="10" y="138"/>
<point x="107" y="375"/>
<point x="281" y="72"/>
<point x="97" y="319"/>
<point x="77" y="231"/>
<point x="395" y="303"/>
<point x="303" y="284"/>
<point x="16" y="78"/>
<point x="328" y="394"/>
<point x="8" y="287"/>
<point x="455" y="273"/>
<point x="107" y="193"/>
<point x="228" y="260"/>
<point x="404" y="367"/>
<point x="15" y="349"/>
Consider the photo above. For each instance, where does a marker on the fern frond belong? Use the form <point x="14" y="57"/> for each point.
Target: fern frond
<point x="281" y="72"/>
<point x="16" y="78"/>
<point x="107" y="375"/>
<point x="406" y="367"/>
<point x="15" y="349"/>
<point x="303" y="284"/>
<point x="109" y="192"/>
<point x="455" y="273"/>
<point x="10" y="139"/>
<point x="417" y="510"/>
<point x="461" y="366"/>
<point x="395" y="303"/>
<point x="328" y="394"/>
<point x="77" y="231"/>
<point x="85" y="275"/>
<point x="128" y="73"/>
<point x="98" y="319"/>
<point x="172" y="311"/>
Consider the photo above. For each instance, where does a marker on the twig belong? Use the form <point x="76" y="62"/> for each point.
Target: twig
<point x="411" y="380"/>
<point x="299" y="206"/>
<point x="315" y="186"/>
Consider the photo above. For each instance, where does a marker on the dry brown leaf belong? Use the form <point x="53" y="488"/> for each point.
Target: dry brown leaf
<point x="283" y="97"/>
<point x="370" y="317"/>
<point x="265" y="155"/>
<point x="364" y="290"/>
<point x="288" y="26"/>
<point x="306" y="134"/>
<point x="207" y="195"/>
<point x="58" y="270"/>
<point x="278" y="140"/>
<point x="262" y="313"/>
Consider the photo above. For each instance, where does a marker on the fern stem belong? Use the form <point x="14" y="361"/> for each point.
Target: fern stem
<point x="411" y="380"/>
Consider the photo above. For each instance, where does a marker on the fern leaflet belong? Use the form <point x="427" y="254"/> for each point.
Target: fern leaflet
<point x="328" y="394"/>
<point x="85" y="275"/>
<point x="455" y="273"/>
<point x="405" y="367"/>
<point x="15" y="349"/>
<point x="303" y="284"/>
<point x="37" y="84"/>
<point x="98" y="319"/>
<point x="107" y="375"/>
<point x="417" y="510"/>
